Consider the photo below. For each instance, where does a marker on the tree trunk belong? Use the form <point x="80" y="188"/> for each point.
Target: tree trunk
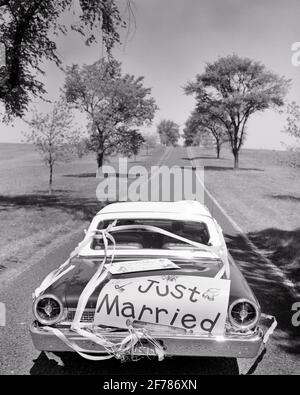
<point x="236" y="160"/>
<point x="50" y="179"/>
<point x="218" y="150"/>
<point x="100" y="159"/>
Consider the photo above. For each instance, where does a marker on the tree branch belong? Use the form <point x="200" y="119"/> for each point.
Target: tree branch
<point x="4" y="2"/>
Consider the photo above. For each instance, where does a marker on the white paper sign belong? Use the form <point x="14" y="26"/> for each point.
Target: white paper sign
<point x="192" y="303"/>
<point x="144" y="265"/>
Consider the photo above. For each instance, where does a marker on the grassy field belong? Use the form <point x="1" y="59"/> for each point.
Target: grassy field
<point x="30" y="219"/>
<point x="263" y="197"/>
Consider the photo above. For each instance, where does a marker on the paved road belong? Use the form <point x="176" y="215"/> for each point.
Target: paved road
<point x="17" y="355"/>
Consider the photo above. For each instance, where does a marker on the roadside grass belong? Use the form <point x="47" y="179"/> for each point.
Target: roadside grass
<point x="31" y="219"/>
<point x="263" y="198"/>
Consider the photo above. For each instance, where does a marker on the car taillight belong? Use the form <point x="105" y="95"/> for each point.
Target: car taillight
<point x="48" y="310"/>
<point x="244" y="314"/>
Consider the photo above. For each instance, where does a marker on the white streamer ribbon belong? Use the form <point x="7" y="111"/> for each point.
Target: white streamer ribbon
<point x="272" y="328"/>
<point x="219" y="251"/>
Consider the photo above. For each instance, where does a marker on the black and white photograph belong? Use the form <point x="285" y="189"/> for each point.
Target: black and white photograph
<point x="149" y="190"/>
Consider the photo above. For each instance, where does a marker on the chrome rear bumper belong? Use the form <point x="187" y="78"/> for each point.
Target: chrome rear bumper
<point x="231" y="346"/>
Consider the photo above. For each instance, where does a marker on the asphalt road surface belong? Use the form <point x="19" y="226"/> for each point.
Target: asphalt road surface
<point x="18" y="356"/>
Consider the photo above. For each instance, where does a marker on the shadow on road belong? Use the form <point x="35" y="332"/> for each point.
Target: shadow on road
<point x="82" y="175"/>
<point x="93" y="175"/>
<point x="202" y="158"/>
<point x="282" y="248"/>
<point x="83" y="207"/>
<point x="225" y="168"/>
<point x="286" y="198"/>
<point x="273" y="295"/>
<point x="75" y="365"/>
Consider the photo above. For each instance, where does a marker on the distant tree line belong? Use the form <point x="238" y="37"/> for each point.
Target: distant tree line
<point x="169" y="133"/>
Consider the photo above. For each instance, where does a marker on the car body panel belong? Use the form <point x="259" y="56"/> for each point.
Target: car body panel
<point x="69" y="287"/>
<point x="191" y="262"/>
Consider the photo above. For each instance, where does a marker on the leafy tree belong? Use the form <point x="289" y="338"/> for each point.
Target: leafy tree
<point x="133" y="143"/>
<point x="168" y="132"/>
<point x="54" y="137"/>
<point x="293" y="129"/>
<point x="193" y="133"/>
<point x="150" y="141"/>
<point x="232" y="89"/>
<point x="293" y="121"/>
<point x="115" y="104"/>
<point x="26" y="28"/>
<point x="202" y="126"/>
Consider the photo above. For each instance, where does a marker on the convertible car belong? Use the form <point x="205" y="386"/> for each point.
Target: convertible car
<point x="149" y="279"/>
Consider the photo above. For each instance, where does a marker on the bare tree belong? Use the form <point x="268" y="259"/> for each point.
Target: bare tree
<point x="54" y="137"/>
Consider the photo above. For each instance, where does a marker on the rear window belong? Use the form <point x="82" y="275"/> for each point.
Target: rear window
<point x="144" y="239"/>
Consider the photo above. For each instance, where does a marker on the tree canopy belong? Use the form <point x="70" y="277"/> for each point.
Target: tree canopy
<point x="293" y="121"/>
<point x="193" y="133"/>
<point x="133" y="143"/>
<point x="115" y="104"/>
<point x="204" y="127"/>
<point x="293" y="129"/>
<point x="28" y="29"/>
<point x="169" y="132"/>
<point x="232" y="89"/>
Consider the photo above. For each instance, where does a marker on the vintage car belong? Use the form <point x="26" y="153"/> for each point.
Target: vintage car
<point x="149" y="279"/>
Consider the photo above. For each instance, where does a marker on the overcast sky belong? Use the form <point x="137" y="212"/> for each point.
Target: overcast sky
<point x="174" y="39"/>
